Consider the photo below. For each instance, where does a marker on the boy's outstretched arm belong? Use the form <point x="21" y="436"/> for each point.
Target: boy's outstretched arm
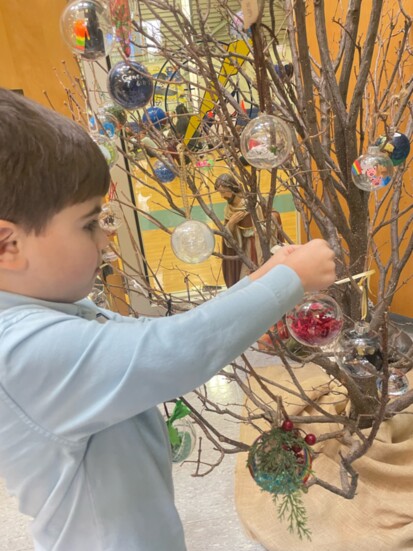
<point x="113" y="371"/>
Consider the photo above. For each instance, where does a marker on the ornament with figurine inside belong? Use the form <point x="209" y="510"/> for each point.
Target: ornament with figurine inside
<point x="266" y="142"/>
<point x="372" y="171"/>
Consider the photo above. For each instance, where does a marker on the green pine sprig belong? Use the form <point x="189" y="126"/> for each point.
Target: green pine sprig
<point x="291" y="509"/>
<point x="274" y="466"/>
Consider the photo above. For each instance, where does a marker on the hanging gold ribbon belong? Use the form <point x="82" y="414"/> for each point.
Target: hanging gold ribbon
<point x="183" y="181"/>
<point x="363" y="277"/>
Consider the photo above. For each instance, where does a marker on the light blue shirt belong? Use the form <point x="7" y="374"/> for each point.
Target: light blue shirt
<point x="83" y="445"/>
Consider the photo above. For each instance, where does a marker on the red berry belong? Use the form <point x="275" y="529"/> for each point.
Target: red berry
<point x="287" y="425"/>
<point x="296" y="448"/>
<point x="310" y="439"/>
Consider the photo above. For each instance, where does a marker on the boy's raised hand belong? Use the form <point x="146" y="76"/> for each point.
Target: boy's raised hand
<point x="313" y="263"/>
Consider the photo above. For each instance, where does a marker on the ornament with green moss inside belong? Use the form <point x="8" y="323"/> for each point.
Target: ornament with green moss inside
<point x="280" y="462"/>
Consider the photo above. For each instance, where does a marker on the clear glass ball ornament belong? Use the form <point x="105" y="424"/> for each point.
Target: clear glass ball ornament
<point x="98" y="296"/>
<point x="373" y="170"/>
<point x="187" y="440"/>
<point x="205" y="163"/>
<point x="278" y="478"/>
<point x="110" y="218"/>
<point x="192" y="241"/>
<point x="130" y="84"/>
<point x="358" y="351"/>
<point x="110" y="253"/>
<point x="315" y="321"/>
<point x="116" y="111"/>
<point x="266" y="142"/>
<point x="397" y="147"/>
<point x="398" y="383"/>
<point x="163" y="172"/>
<point x="107" y="147"/>
<point x="86" y="28"/>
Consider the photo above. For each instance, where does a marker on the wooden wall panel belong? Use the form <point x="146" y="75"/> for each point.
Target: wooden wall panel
<point x="31" y="47"/>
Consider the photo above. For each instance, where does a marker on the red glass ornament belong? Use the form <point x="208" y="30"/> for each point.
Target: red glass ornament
<point x="316" y="321"/>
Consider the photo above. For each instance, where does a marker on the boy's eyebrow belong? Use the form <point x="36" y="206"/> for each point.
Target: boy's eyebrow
<point x="95" y="210"/>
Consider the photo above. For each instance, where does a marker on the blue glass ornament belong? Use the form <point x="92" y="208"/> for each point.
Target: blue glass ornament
<point x="156" y="116"/>
<point x="163" y="172"/>
<point x="398" y="147"/>
<point x="130" y="84"/>
<point x="286" y="72"/>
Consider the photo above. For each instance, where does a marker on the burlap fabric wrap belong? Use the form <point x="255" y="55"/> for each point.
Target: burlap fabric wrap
<point x="379" y="518"/>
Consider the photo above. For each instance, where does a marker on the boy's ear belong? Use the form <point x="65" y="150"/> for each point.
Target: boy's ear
<point x="11" y="257"/>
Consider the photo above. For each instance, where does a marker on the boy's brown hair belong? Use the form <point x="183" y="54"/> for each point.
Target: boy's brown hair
<point x="47" y="163"/>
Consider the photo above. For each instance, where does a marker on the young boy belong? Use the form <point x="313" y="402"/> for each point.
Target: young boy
<point x="82" y="443"/>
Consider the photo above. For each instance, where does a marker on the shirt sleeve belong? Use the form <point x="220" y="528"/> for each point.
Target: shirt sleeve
<point x="75" y="377"/>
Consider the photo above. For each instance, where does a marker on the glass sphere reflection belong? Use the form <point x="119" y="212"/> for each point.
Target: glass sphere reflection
<point x="266" y="142"/>
<point x="398" y="383"/>
<point x="86" y="28"/>
<point x="373" y="170"/>
<point x="130" y="84"/>
<point x="358" y="351"/>
<point x="192" y="241"/>
<point x="315" y="321"/>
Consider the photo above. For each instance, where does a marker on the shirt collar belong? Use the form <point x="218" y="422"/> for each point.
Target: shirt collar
<point x="84" y="308"/>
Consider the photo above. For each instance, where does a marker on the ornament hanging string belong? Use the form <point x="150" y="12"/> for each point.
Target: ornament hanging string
<point x="364" y="277"/>
<point x="122" y="20"/>
<point x="183" y="182"/>
<point x="112" y="191"/>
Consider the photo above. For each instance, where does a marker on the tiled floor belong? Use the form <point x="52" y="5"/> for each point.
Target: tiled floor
<point x="206" y="504"/>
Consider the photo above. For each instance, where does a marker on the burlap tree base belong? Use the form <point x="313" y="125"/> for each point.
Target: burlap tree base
<point x="379" y="518"/>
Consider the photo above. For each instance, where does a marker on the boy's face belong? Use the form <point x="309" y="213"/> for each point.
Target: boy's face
<point x="62" y="262"/>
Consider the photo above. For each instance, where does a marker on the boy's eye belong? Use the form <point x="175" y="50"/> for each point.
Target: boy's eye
<point x="92" y="225"/>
